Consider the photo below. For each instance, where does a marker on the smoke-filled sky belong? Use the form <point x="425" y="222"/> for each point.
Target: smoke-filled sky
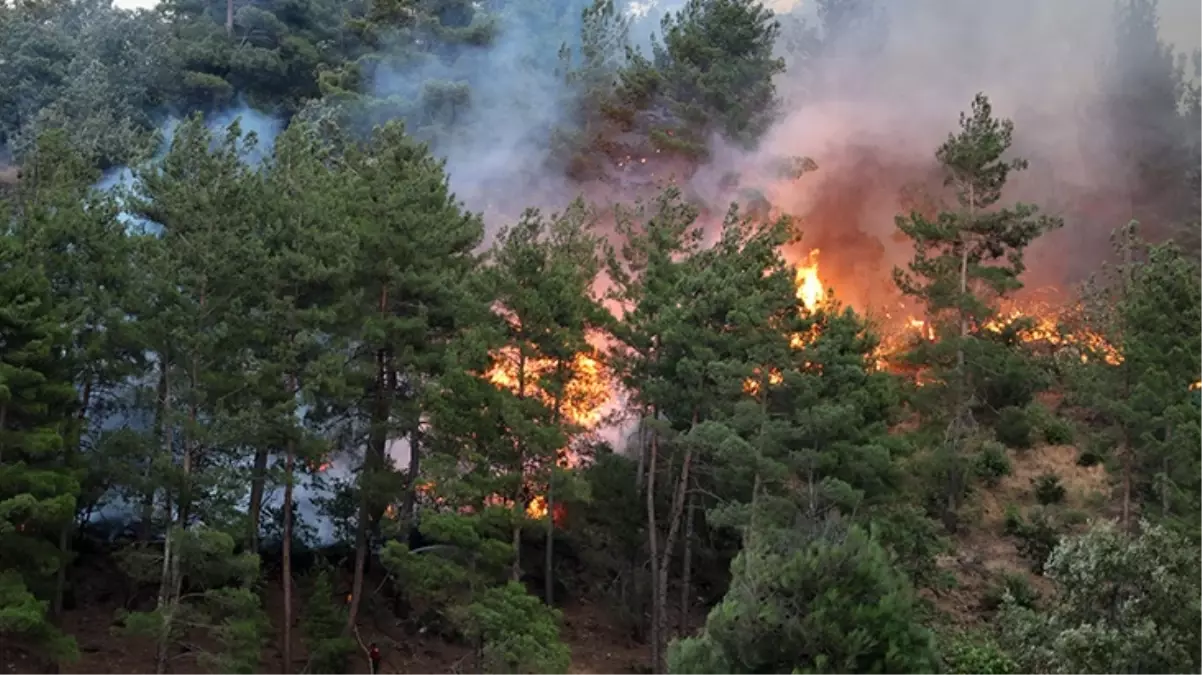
<point x="872" y="111"/>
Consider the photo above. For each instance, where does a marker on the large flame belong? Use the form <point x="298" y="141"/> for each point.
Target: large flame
<point x="810" y="290"/>
<point x="586" y="392"/>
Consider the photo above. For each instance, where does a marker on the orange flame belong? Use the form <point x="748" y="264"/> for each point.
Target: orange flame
<point x="586" y="392"/>
<point x="810" y="290"/>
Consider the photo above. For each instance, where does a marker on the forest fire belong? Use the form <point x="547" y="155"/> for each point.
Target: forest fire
<point x="810" y="290"/>
<point x="586" y="391"/>
<point x="1033" y="322"/>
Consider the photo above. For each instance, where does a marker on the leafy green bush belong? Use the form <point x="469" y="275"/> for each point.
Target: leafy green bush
<point x="1037" y="539"/>
<point x="1124" y="604"/>
<point x="1048" y="489"/>
<point x="1057" y="431"/>
<point x="1012" y="520"/>
<point x="1012" y="584"/>
<point x="517" y="632"/>
<point x="1014" y="428"/>
<point x="832" y="603"/>
<point x="974" y="653"/>
<point x="1089" y="457"/>
<point x="991" y="463"/>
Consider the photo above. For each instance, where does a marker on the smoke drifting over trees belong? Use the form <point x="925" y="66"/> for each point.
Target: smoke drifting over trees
<point x="421" y="322"/>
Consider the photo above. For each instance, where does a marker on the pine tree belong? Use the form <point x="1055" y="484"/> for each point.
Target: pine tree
<point x="204" y="269"/>
<point x="716" y="64"/>
<point x="309" y="252"/>
<point x="37" y="407"/>
<point x="544" y="273"/>
<point x="1147" y="308"/>
<point x="787" y="611"/>
<point x="965" y="258"/>
<point x="416" y="255"/>
<point x="87" y="254"/>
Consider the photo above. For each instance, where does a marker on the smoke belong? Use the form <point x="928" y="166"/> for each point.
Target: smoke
<point x="885" y="89"/>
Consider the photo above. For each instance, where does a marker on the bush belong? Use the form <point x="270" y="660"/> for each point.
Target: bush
<point x="975" y="653"/>
<point x="1014" y="428"/>
<point x="1089" y="457"/>
<point x="1058" y="431"/>
<point x="1012" y="584"/>
<point x="1037" y="539"/>
<point x="1012" y="521"/>
<point x="991" y="463"/>
<point x="1048" y="489"/>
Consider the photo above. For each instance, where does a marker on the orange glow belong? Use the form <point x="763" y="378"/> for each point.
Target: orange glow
<point x="537" y="508"/>
<point x="586" y="392"/>
<point x="1195" y="386"/>
<point x="810" y="290"/>
<point x="588" y="389"/>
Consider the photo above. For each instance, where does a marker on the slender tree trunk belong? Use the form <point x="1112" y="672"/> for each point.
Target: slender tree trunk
<point x="147" y="524"/>
<point x="409" y="505"/>
<point x="675" y="518"/>
<point x="373" y="456"/>
<point x="258" y="483"/>
<point x="686" y="572"/>
<point x="229" y="17"/>
<point x="653" y="549"/>
<point x="548" y="561"/>
<point x="515" y="572"/>
<point x="64" y="535"/>
<point x="166" y="599"/>
<point x="289" y="466"/>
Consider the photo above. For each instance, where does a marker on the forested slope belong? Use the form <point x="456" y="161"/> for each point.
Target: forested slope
<point x="516" y="336"/>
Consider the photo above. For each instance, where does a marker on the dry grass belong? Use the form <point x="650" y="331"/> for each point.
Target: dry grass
<point x="983" y="553"/>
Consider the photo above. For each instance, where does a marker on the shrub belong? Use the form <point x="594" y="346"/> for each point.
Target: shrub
<point x="1048" y="489"/>
<point x="975" y="653"/>
<point x="1089" y="457"/>
<point x="1012" y="521"/>
<point x="1014" y="428"/>
<point x="991" y="463"/>
<point x="1058" y="431"/>
<point x="1016" y="586"/>
<point x="1037" y="539"/>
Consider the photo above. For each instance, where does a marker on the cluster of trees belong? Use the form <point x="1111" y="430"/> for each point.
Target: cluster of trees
<point x="189" y="347"/>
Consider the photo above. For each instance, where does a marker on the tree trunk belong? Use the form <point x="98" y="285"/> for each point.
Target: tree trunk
<point x="147" y="524"/>
<point x="653" y="549"/>
<point x="167" y="595"/>
<point x="548" y="575"/>
<point x="373" y="456"/>
<point x="64" y="535"/>
<point x="675" y="518"/>
<point x="258" y="483"/>
<point x="289" y="464"/>
<point x="515" y="572"/>
<point x="409" y="505"/>
<point x="686" y="572"/>
<point x="229" y="17"/>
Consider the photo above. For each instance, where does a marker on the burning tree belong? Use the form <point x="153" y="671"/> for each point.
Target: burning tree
<point x="966" y="257"/>
<point x="543" y="271"/>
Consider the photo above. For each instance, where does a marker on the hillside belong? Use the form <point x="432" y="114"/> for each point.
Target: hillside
<point x="599" y="336"/>
<point x="981" y="558"/>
